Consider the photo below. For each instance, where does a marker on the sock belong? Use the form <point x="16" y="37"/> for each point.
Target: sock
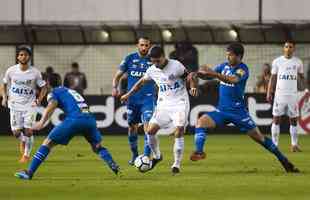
<point x="133" y="143"/>
<point x="270" y="146"/>
<point x="147" y="150"/>
<point x="294" y="135"/>
<point x="275" y="133"/>
<point x="105" y="155"/>
<point x="200" y="138"/>
<point x="152" y="141"/>
<point x="28" y="145"/>
<point x="38" y="158"/>
<point x="22" y="143"/>
<point x="178" y="150"/>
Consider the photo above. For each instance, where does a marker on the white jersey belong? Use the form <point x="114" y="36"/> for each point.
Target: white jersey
<point x="287" y="71"/>
<point x="172" y="90"/>
<point x="22" y="86"/>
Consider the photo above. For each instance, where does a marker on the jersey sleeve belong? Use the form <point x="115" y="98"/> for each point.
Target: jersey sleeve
<point x="274" y="69"/>
<point x="218" y="68"/>
<point x="6" y="77"/>
<point x="39" y="81"/>
<point x="300" y="67"/>
<point x="242" y="73"/>
<point x="181" y="71"/>
<point x="52" y="97"/>
<point x="148" y="74"/>
<point x="124" y="64"/>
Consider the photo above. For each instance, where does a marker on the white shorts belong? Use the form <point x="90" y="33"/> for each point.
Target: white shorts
<point x="177" y="115"/>
<point x="286" y="106"/>
<point x="22" y="119"/>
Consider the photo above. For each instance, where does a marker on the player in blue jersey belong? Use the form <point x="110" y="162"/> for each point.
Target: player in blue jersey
<point x="140" y="105"/>
<point x="78" y="120"/>
<point x="231" y="108"/>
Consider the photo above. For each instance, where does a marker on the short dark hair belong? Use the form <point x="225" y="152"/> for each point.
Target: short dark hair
<point x="75" y="65"/>
<point x="291" y="41"/>
<point x="236" y="48"/>
<point x="53" y="80"/>
<point x="156" y="52"/>
<point x="143" y="37"/>
<point x="24" y="48"/>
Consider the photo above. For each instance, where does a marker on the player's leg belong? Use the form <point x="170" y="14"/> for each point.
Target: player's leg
<point x="147" y="113"/>
<point x="206" y="121"/>
<point x="133" y="121"/>
<point x="270" y="146"/>
<point x="16" y="122"/>
<point x="278" y="110"/>
<point x="29" y="119"/>
<point x="93" y="136"/>
<point x="293" y="114"/>
<point x="178" y="149"/>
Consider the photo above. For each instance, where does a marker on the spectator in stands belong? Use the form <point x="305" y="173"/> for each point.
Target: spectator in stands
<point x="187" y="54"/>
<point x="49" y="71"/>
<point x="75" y="79"/>
<point x="263" y="79"/>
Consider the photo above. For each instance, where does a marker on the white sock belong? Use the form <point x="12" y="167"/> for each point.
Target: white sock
<point x="28" y="145"/>
<point x="154" y="145"/>
<point x="275" y="133"/>
<point x="178" y="150"/>
<point x="294" y="135"/>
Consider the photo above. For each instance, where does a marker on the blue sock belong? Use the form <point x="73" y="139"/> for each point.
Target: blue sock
<point x="38" y="158"/>
<point x="106" y="156"/>
<point x="147" y="149"/>
<point x="133" y="143"/>
<point x="270" y="146"/>
<point x="200" y="138"/>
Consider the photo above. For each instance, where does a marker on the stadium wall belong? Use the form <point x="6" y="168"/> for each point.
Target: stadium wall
<point x="100" y="62"/>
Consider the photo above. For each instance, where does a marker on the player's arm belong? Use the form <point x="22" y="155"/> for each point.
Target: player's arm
<point x="42" y="94"/>
<point x="231" y="79"/>
<point x="115" y="82"/>
<point x="4" y="95"/>
<point x="135" y="88"/>
<point x="52" y="105"/>
<point x="271" y="87"/>
<point x="193" y="83"/>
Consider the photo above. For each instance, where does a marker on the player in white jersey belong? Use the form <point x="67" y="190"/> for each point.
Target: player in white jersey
<point x="172" y="102"/>
<point x="20" y="84"/>
<point x="286" y="71"/>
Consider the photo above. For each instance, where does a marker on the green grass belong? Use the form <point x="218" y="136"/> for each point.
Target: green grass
<point x="235" y="168"/>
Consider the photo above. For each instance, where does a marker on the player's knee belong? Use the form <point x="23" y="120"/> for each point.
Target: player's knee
<point x="276" y="120"/>
<point x="205" y="122"/>
<point x="133" y="128"/>
<point x="293" y="121"/>
<point x="179" y="132"/>
<point x="17" y="133"/>
<point x="96" y="148"/>
<point x="28" y="132"/>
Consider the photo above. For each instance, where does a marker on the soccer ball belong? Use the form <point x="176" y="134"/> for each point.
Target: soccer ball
<point x="143" y="163"/>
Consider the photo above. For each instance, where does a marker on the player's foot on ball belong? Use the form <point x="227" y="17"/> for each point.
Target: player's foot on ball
<point x="156" y="161"/>
<point x="197" y="156"/>
<point x="24" y="159"/>
<point x="289" y="167"/>
<point x="23" y="175"/>
<point x="295" y="148"/>
<point x="175" y="170"/>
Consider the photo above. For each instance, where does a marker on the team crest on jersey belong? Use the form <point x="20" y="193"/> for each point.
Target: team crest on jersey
<point x="135" y="60"/>
<point x="240" y="72"/>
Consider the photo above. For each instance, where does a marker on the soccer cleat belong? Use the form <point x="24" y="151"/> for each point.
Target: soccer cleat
<point x="175" y="170"/>
<point x="23" y="175"/>
<point x="156" y="161"/>
<point x="197" y="156"/>
<point x="115" y="168"/>
<point x="132" y="161"/>
<point x="295" y="148"/>
<point x="24" y="159"/>
<point x="289" y="167"/>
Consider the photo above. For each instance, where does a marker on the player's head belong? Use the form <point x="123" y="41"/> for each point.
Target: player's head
<point x="289" y="48"/>
<point x="23" y="54"/>
<point x="75" y="67"/>
<point x="157" y="56"/>
<point x="143" y="44"/>
<point x="53" y="80"/>
<point x="234" y="53"/>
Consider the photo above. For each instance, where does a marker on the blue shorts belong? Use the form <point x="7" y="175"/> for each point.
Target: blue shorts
<point x="239" y="118"/>
<point x="137" y="113"/>
<point x="86" y="125"/>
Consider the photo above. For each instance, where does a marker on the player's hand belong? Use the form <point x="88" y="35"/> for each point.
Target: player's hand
<point x="115" y="92"/>
<point x="4" y="102"/>
<point x="269" y="97"/>
<point x="38" y="126"/>
<point x="193" y="92"/>
<point x="36" y="103"/>
<point x="124" y="97"/>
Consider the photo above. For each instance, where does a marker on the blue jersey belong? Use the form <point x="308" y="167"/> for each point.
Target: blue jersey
<point x="231" y="96"/>
<point x="70" y="101"/>
<point x="136" y="66"/>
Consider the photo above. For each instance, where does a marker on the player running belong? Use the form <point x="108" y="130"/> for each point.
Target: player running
<point x="172" y="103"/>
<point x="78" y="120"/>
<point x="140" y="106"/>
<point x="231" y="108"/>
<point x="285" y="73"/>
<point x="20" y="84"/>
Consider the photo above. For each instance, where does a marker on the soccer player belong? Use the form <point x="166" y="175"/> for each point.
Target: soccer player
<point x="78" y="120"/>
<point x="231" y="108"/>
<point x="20" y="84"/>
<point x="286" y="71"/>
<point x="140" y="106"/>
<point x="172" y="103"/>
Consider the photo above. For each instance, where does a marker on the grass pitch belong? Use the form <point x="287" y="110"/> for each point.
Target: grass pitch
<point x="236" y="168"/>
